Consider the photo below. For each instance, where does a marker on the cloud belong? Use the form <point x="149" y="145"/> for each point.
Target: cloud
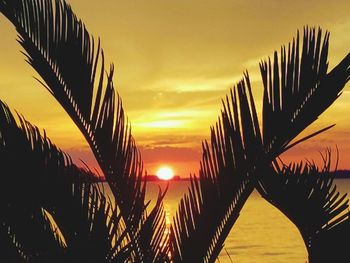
<point x="170" y="140"/>
<point x="170" y="154"/>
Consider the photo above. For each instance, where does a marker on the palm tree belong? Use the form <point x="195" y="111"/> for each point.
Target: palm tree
<point x="57" y="43"/>
<point x="308" y="196"/>
<point x="297" y="89"/>
<point x="239" y="157"/>
<point x="208" y="211"/>
<point x="50" y="209"/>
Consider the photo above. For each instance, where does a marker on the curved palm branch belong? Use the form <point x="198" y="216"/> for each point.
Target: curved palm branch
<point x="212" y="205"/>
<point x="18" y="227"/>
<point x="155" y="226"/>
<point x="22" y="215"/>
<point x="11" y="250"/>
<point x="294" y="96"/>
<point x="297" y="89"/>
<point x="52" y="212"/>
<point x="60" y="49"/>
<point x="310" y="199"/>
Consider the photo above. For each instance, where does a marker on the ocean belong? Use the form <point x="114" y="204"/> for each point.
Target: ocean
<point x="261" y="234"/>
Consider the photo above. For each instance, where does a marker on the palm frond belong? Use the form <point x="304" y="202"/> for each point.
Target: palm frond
<point x="309" y="197"/>
<point x="22" y="216"/>
<point x="90" y="226"/>
<point x="208" y="211"/>
<point x="47" y="188"/>
<point x="153" y="234"/>
<point x="297" y="88"/>
<point x="331" y="245"/>
<point x="61" y="50"/>
<point x="59" y="47"/>
<point x="11" y="250"/>
<point x="295" y="94"/>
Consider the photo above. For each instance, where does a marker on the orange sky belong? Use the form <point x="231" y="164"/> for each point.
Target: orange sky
<point x="174" y="61"/>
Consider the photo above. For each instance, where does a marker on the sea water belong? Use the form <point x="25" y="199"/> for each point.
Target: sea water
<point x="261" y="234"/>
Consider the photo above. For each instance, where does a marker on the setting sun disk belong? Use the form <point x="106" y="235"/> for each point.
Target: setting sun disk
<point x="165" y="173"/>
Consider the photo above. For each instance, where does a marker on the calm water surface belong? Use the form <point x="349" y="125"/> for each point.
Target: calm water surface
<point x="261" y="234"/>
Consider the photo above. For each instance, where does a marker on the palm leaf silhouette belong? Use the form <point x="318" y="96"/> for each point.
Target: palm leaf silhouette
<point x="70" y="222"/>
<point x="21" y="219"/>
<point x="11" y="250"/>
<point x="59" y="47"/>
<point x="308" y="196"/>
<point x="297" y="89"/>
<point x="212" y="205"/>
<point x="295" y="94"/>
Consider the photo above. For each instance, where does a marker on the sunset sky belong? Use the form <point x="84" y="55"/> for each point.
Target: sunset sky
<point x="174" y="61"/>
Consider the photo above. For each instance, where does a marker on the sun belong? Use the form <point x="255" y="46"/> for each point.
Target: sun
<point x="165" y="173"/>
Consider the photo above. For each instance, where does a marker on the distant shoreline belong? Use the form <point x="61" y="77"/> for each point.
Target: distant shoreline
<point x="150" y="178"/>
<point x="340" y="174"/>
<point x="154" y="178"/>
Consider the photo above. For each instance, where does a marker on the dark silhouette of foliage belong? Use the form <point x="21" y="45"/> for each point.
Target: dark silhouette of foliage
<point x="54" y="213"/>
<point x="308" y="196"/>
<point x="295" y="94"/>
<point x="211" y="207"/>
<point x="58" y="46"/>
<point x="298" y="88"/>
<point x="74" y="222"/>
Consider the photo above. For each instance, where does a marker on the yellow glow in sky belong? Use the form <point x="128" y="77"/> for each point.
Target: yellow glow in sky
<point x="174" y="61"/>
<point x="166" y="124"/>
